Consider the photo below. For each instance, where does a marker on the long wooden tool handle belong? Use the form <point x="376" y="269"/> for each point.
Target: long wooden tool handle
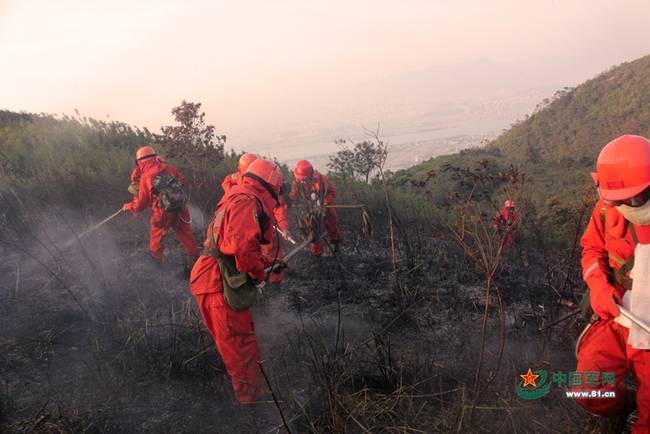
<point x="285" y="236"/>
<point x="635" y="319"/>
<point x="345" y="206"/>
<point x="295" y="251"/>
<point x="291" y="254"/>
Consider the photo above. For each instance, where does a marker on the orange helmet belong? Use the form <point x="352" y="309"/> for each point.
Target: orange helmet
<point x="623" y="168"/>
<point x="303" y="170"/>
<point x="509" y="204"/>
<point x="266" y="173"/>
<point x="144" y="152"/>
<point x="245" y="161"/>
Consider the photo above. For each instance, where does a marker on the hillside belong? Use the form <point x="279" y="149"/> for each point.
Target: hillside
<point x="405" y="329"/>
<point x="556" y="146"/>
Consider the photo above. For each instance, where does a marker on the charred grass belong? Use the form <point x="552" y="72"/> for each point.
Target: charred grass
<point x="99" y="339"/>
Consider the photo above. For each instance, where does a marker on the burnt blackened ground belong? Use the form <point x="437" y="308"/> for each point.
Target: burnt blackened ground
<point x="109" y="344"/>
<point x="98" y="338"/>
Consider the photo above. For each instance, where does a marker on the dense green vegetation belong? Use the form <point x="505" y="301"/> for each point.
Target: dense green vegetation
<point x="85" y="163"/>
<point x="66" y="159"/>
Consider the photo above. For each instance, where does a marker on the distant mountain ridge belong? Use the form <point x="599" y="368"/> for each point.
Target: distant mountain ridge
<point x="484" y="96"/>
<point x="577" y="124"/>
<point x="556" y="146"/>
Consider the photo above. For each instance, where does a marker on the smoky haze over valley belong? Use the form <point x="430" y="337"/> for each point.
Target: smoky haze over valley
<point x="288" y="79"/>
<point x="427" y="112"/>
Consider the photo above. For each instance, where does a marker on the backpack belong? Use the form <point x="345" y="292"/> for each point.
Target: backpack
<point x="239" y="290"/>
<point x="171" y="194"/>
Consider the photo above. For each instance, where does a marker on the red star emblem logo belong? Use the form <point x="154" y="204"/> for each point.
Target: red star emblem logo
<point x="529" y="378"/>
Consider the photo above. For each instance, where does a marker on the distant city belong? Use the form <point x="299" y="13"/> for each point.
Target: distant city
<point x="414" y="134"/>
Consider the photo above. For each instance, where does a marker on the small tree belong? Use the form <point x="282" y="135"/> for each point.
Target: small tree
<point x="342" y="163"/>
<point x="360" y="162"/>
<point x="472" y="200"/>
<point x="193" y="141"/>
<point x="194" y="146"/>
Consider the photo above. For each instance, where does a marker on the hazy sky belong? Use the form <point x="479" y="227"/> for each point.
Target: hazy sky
<point x="261" y="63"/>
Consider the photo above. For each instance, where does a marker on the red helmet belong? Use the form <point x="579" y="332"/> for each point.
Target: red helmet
<point x="303" y="170"/>
<point x="267" y="173"/>
<point x="245" y="161"/>
<point x="623" y="168"/>
<point x="144" y="152"/>
<point x="509" y="204"/>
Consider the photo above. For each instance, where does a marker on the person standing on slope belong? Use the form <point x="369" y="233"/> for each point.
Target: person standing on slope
<point x="135" y="177"/>
<point x="616" y="267"/>
<point x="224" y="280"/>
<point x="273" y="250"/>
<point x="315" y="191"/>
<point x="235" y="178"/>
<point x="160" y="189"/>
<point x="504" y="222"/>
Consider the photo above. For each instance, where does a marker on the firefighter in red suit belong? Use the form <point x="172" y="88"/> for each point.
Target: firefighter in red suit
<point x="505" y="221"/>
<point x="315" y="190"/>
<point x="135" y="177"/>
<point x="242" y="226"/>
<point x="161" y="222"/>
<point x="620" y="222"/>
<point x="234" y="178"/>
<point x="273" y="250"/>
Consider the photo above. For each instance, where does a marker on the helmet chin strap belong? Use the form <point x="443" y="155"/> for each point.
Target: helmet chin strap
<point x="637" y="215"/>
<point x="145" y="158"/>
<point x="264" y="184"/>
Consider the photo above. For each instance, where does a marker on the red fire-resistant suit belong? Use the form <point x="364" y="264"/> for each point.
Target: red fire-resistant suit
<point x="161" y="222"/>
<point x="230" y="181"/>
<point x="135" y="175"/>
<point x="504" y="222"/>
<point x="241" y="232"/>
<point x="604" y="346"/>
<point x="325" y="193"/>
<point x="137" y="171"/>
<point x="273" y="250"/>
